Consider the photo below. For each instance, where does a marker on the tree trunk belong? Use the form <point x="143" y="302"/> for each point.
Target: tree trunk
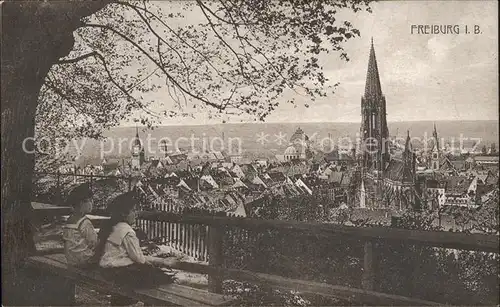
<point x="35" y="36"/>
<point x="19" y="101"/>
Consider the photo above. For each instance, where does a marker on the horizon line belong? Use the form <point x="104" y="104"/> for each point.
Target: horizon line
<point x="132" y="125"/>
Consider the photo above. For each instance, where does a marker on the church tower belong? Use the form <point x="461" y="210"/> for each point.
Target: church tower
<point x="138" y="156"/>
<point x="409" y="164"/>
<point x="374" y="131"/>
<point x="435" y="154"/>
<point x="164" y="148"/>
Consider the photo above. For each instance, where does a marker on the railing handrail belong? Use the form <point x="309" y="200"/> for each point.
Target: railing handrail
<point x="84" y="175"/>
<point x="453" y="240"/>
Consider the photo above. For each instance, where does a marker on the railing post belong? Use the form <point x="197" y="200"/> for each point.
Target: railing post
<point x="59" y="192"/>
<point x="368" y="279"/>
<point x="91" y="180"/>
<point x="215" y="258"/>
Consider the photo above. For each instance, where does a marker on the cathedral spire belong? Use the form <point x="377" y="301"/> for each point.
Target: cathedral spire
<point x="137" y="140"/>
<point x="374" y="119"/>
<point x="408" y="142"/>
<point x="372" y="86"/>
<point x="409" y="160"/>
<point x="435" y="135"/>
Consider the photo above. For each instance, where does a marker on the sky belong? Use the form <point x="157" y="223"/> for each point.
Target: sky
<point x="423" y="76"/>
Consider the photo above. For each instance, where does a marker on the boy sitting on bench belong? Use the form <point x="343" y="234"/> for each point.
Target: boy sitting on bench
<point x="79" y="235"/>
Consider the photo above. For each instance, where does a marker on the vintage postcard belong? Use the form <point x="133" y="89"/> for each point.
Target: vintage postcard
<point x="249" y="152"/>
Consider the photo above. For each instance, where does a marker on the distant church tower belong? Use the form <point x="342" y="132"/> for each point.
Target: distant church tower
<point x="138" y="156"/>
<point x="409" y="162"/>
<point x="435" y="154"/>
<point x="164" y="148"/>
<point x="374" y="131"/>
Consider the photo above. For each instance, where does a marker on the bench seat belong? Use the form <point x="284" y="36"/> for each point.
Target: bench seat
<point x="168" y="294"/>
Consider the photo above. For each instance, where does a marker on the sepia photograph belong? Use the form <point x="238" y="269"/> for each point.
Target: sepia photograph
<point x="250" y="153"/>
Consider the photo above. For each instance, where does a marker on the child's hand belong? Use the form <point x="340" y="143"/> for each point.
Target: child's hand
<point x="150" y="248"/>
<point x="162" y="262"/>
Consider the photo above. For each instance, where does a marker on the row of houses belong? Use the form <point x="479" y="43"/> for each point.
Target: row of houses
<point x="210" y="184"/>
<point x="460" y="181"/>
<point x="455" y="165"/>
<point x="460" y="190"/>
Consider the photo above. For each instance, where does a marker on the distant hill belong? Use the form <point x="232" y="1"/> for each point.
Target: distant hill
<point x="200" y="136"/>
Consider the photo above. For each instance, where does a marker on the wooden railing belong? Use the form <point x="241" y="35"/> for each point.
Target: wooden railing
<point x="454" y="240"/>
<point x="244" y="230"/>
<point x="191" y="239"/>
<point x="219" y="226"/>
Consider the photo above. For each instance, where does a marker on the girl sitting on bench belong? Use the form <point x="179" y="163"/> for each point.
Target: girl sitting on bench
<point x="119" y="252"/>
<point x="79" y="235"/>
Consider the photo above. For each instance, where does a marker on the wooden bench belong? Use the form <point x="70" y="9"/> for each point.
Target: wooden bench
<point x="54" y="268"/>
<point x="45" y="213"/>
<point x="51" y="216"/>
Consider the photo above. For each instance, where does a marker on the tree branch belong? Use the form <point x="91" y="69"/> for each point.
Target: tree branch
<point x="228" y="100"/>
<point x="122" y="89"/>
<point x="101" y="58"/>
<point x="77" y="59"/>
<point x="240" y="38"/>
<point x="161" y="40"/>
<point x="63" y="95"/>
<point x="207" y="60"/>
<point x="169" y="77"/>
<point x="212" y="26"/>
<point x="143" y="79"/>
<point x="232" y="22"/>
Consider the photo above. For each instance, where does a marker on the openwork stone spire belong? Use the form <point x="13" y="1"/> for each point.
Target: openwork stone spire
<point x="372" y="85"/>
<point x="137" y="140"/>
<point x="408" y="142"/>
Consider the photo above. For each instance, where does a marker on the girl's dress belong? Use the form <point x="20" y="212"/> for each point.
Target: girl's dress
<point x="124" y="262"/>
<point x="80" y="240"/>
